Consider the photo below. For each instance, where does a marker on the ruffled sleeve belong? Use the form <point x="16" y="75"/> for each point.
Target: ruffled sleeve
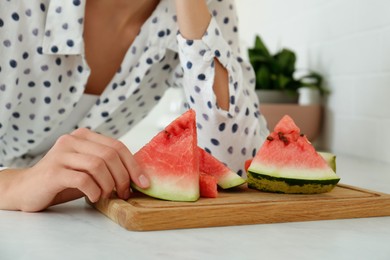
<point x="232" y="136"/>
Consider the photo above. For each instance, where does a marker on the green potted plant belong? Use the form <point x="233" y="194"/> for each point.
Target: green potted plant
<point x="276" y="80"/>
<point x="281" y="91"/>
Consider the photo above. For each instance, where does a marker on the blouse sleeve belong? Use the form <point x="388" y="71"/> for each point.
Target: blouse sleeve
<point x="232" y="136"/>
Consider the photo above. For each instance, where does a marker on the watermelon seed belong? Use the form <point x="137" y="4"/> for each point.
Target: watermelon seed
<point x="270" y="138"/>
<point x="167" y="133"/>
<point x="283" y="138"/>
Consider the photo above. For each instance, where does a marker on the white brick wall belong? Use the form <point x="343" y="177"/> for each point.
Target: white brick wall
<point x="348" y="41"/>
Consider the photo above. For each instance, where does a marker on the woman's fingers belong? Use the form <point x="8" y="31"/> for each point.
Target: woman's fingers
<point x="99" y="160"/>
<point x="92" y="165"/>
<point x="82" y="181"/>
<point x="124" y="154"/>
<point x="106" y="160"/>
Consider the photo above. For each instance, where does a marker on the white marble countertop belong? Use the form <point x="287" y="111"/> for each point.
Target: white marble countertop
<point x="75" y="230"/>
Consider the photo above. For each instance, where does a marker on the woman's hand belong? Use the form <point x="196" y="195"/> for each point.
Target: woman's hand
<point x="81" y="163"/>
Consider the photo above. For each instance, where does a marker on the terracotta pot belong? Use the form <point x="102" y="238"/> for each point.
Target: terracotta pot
<point x="308" y="118"/>
<point x="276" y="96"/>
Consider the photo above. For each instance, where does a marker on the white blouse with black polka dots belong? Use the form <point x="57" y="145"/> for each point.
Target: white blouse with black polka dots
<point x="43" y="73"/>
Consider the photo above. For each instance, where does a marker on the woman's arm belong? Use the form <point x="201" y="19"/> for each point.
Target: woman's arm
<point x="31" y="190"/>
<point x="193" y="18"/>
<point x="229" y="124"/>
<point x="8" y="181"/>
<point x="81" y="163"/>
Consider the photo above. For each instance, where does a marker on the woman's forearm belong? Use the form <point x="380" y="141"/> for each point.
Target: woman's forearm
<point x="193" y="18"/>
<point x="7" y="179"/>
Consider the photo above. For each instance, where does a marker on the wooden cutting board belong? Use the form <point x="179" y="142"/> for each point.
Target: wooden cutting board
<point x="242" y="206"/>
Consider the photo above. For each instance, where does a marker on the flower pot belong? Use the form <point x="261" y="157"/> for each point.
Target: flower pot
<point x="276" y="96"/>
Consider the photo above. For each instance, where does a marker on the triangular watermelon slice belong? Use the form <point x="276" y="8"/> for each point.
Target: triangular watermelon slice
<point x="226" y="178"/>
<point x="288" y="163"/>
<point x="170" y="161"/>
<point x="207" y="185"/>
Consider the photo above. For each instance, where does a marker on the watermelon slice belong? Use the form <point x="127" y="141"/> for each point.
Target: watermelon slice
<point x="247" y="164"/>
<point x="208" y="186"/>
<point x="226" y="178"/>
<point x="288" y="163"/>
<point x="170" y="160"/>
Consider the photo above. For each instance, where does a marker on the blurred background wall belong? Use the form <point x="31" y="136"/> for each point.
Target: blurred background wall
<point x="348" y="42"/>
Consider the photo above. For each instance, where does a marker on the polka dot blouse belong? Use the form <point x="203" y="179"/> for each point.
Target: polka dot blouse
<point x="43" y="73"/>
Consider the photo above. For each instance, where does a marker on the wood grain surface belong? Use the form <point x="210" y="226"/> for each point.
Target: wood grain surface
<point x="243" y="206"/>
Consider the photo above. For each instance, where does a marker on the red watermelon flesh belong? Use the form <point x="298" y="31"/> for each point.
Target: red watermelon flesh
<point x="247" y="164"/>
<point x="286" y="125"/>
<point x="285" y="147"/>
<point x="208" y="186"/>
<point x="226" y="178"/>
<point x="300" y="152"/>
<point x="170" y="160"/>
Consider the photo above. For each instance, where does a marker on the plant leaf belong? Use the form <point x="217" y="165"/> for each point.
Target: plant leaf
<point x="263" y="78"/>
<point x="286" y="61"/>
<point x="260" y="46"/>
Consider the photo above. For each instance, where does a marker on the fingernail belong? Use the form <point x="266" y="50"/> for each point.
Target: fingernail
<point x="143" y="181"/>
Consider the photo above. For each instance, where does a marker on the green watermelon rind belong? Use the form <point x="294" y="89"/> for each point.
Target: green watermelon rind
<point x="329" y="158"/>
<point x="264" y="182"/>
<point x="166" y="193"/>
<point x="291" y="180"/>
<point x="292" y="173"/>
<point x="230" y="180"/>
